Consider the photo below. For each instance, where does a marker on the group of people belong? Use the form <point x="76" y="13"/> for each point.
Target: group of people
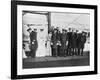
<point x="66" y="43"/>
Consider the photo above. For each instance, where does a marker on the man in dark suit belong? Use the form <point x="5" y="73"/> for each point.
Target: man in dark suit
<point x="54" y="41"/>
<point x="69" y="41"/>
<point x="33" y="42"/>
<point x="66" y="51"/>
<point x="63" y="43"/>
<point x="81" y="42"/>
<point x="58" y="37"/>
<point x="74" y="42"/>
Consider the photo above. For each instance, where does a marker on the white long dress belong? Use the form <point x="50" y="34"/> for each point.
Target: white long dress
<point x="24" y="56"/>
<point x="48" y="50"/>
<point x="41" y="51"/>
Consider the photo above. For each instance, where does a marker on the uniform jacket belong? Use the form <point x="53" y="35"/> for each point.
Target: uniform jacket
<point x="33" y="40"/>
<point x="74" y="40"/>
<point x="54" y="40"/>
<point x="63" y="39"/>
<point x="69" y="39"/>
<point x="81" y="40"/>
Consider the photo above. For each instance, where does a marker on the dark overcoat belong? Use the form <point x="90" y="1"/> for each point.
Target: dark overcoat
<point x="63" y="39"/>
<point x="81" y="40"/>
<point x="69" y="39"/>
<point x="33" y="40"/>
<point x="54" y="40"/>
<point x="74" y="40"/>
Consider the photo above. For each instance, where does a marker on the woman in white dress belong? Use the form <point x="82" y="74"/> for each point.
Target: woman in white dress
<point x="23" y="51"/>
<point x="41" y="38"/>
<point x="48" y="51"/>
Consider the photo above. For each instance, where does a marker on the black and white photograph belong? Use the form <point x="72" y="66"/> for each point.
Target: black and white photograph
<point x="53" y="39"/>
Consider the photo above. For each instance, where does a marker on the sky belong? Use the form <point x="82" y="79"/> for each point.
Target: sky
<point x="61" y="20"/>
<point x="66" y="20"/>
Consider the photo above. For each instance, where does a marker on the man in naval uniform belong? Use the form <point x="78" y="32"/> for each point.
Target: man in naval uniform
<point x="63" y="43"/>
<point x="54" y="43"/>
<point x="82" y="42"/>
<point x="74" y="42"/>
<point x="69" y="42"/>
<point x="58" y="37"/>
<point x="33" y="42"/>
